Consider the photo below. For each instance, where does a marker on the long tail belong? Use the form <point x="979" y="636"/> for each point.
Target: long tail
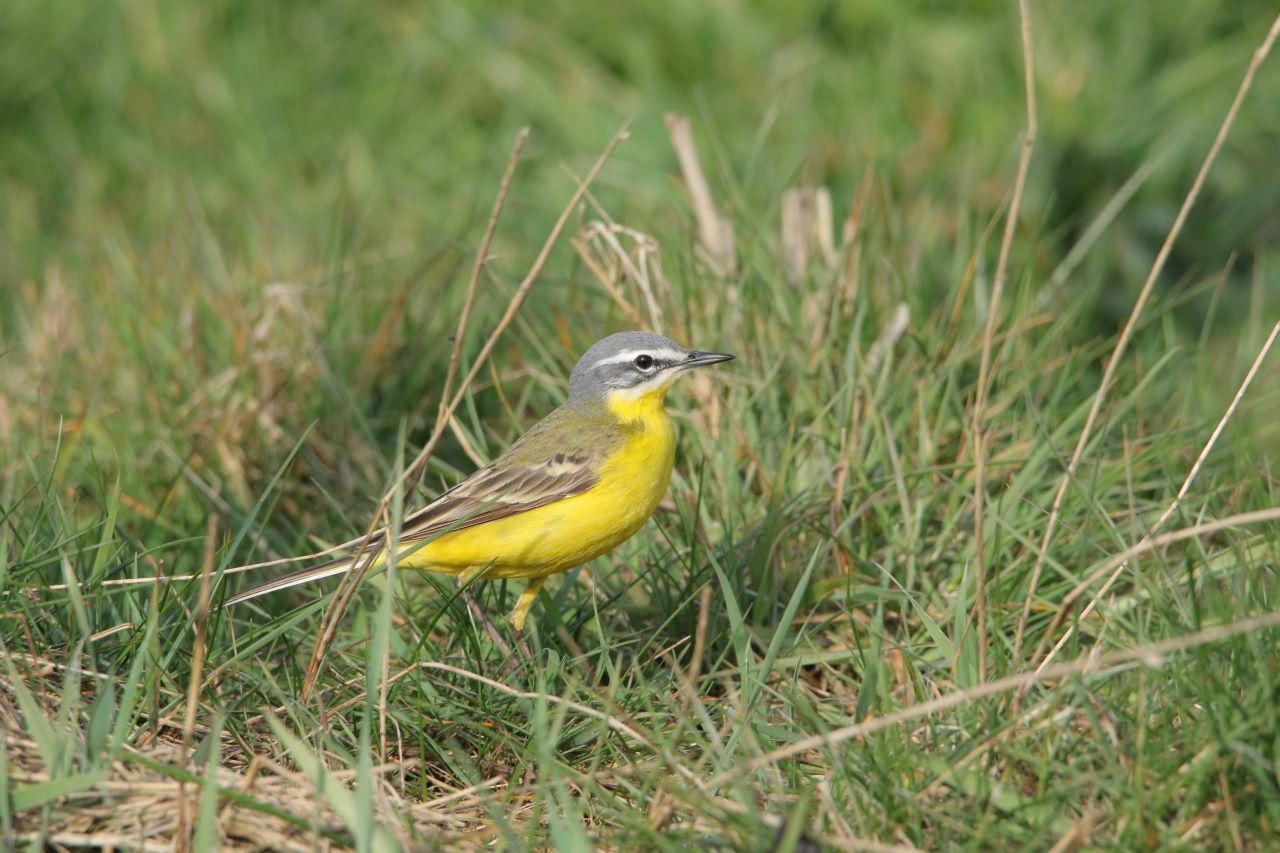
<point x="342" y="565"/>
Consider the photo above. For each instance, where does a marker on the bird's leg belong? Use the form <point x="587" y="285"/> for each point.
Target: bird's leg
<point x="464" y="580"/>
<point x="521" y="612"/>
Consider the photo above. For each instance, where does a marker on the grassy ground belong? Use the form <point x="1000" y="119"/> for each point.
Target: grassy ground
<point x="235" y="244"/>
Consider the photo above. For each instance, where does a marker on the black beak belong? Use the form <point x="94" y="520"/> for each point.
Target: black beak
<point x="698" y="359"/>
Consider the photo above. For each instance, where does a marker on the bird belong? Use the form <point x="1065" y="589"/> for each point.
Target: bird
<point x="574" y="486"/>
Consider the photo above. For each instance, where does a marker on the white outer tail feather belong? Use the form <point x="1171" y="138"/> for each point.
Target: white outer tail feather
<point x="324" y="570"/>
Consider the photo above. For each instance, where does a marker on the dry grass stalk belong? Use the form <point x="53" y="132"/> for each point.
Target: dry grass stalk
<point x="988" y="337"/>
<point x="897" y="326"/>
<point x="1108" y="375"/>
<point x="137" y="806"/>
<point x="715" y="233"/>
<point x="600" y="247"/>
<point x="1149" y="654"/>
<point x="1119" y="567"/>
<point x="807" y="229"/>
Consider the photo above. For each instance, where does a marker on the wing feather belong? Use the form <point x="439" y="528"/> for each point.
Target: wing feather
<point x="535" y="471"/>
<point x="500" y="491"/>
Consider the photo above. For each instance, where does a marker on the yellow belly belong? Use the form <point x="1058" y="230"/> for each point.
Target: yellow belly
<point x="567" y="533"/>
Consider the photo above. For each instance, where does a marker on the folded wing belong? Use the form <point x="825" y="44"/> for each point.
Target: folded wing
<point x="497" y="491"/>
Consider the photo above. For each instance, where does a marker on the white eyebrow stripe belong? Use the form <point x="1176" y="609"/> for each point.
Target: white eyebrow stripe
<point x="664" y="354"/>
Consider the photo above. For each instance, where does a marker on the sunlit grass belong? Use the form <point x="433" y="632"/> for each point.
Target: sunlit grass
<point x="239" y="242"/>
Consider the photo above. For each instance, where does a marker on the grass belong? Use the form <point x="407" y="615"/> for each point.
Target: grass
<point x="238" y="241"/>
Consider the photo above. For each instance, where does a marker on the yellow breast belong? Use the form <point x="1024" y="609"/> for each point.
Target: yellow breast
<point x="567" y="533"/>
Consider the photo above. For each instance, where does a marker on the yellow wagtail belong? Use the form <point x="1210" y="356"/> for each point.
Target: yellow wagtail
<point x="577" y="484"/>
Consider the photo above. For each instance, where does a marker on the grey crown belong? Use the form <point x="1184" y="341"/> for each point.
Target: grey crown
<point x="595" y="376"/>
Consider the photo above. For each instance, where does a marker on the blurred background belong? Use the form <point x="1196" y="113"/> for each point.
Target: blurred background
<point x="281" y="138"/>
<point x="177" y="158"/>
<point x="232" y="229"/>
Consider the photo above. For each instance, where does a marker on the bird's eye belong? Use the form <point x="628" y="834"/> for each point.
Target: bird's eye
<point x="644" y="362"/>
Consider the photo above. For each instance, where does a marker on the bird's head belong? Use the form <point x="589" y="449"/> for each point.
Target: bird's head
<point x="631" y="367"/>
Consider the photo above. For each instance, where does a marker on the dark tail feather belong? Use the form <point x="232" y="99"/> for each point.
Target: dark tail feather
<point x="324" y="570"/>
